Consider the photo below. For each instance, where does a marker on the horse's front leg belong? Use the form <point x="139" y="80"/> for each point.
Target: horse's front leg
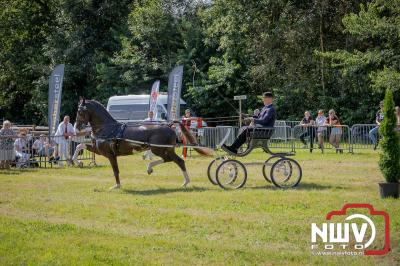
<point x="114" y="165"/>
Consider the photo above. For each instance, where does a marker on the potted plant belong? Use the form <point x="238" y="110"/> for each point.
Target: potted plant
<point x="389" y="161"/>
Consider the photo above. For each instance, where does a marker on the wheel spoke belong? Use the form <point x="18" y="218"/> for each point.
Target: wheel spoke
<point x="286" y="173"/>
<point x="231" y="174"/>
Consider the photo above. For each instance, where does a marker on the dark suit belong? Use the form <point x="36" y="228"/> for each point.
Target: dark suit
<point x="266" y="119"/>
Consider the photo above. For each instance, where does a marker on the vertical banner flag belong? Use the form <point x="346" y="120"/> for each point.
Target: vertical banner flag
<point x="55" y="89"/>
<point x="174" y="93"/>
<point x="154" y="97"/>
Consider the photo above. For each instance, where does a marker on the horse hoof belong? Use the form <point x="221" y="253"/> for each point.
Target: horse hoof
<point x="185" y="183"/>
<point x="149" y="171"/>
<point x="116" y="186"/>
<point x="80" y="164"/>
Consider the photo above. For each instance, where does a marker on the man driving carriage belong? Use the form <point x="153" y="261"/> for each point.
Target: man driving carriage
<point x="266" y="119"/>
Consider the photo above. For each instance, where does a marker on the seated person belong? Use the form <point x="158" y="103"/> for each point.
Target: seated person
<point x="42" y="147"/>
<point x="21" y="147"/>
<point x="266" y="118"/>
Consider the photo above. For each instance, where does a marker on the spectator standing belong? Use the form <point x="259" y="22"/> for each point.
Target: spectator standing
<point x="21" y="148"/>
<point x="187" y="122"/>
<point x="398" y="118"/>
<point x="308" y="123"/>
<point x="373" y="133"/>
<point x="321" y="128"/>
<point x="7" y="154"/>
<point x="336" y="130"/>
<point x="64" y="131"/>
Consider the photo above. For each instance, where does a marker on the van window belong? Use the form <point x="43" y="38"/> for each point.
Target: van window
<point x="129" y="112"/>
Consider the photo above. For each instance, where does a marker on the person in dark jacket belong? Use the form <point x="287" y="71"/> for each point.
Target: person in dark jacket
<point x="308" y="123"/>
<point x="266" y="119"/>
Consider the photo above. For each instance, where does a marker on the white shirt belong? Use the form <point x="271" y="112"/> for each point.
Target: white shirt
<point x="38" y="144"/>
<point x="320" y="121"/>
<point x="61" y="130"/>
<point x="20" y="145"/>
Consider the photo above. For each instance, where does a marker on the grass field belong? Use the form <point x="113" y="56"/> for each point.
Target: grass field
<point x="67" y="216"/>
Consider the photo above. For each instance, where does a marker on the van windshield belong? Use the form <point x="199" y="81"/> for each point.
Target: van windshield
<point x="129" y="112"/>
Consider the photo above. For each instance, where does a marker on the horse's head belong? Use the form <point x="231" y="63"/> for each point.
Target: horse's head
<point x="83" y="114"/>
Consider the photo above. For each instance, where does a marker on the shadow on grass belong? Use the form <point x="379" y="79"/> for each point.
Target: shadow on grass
<point x="163" y="191"/>
<point x="15" y="171"/>
<point x="301" y="186"/>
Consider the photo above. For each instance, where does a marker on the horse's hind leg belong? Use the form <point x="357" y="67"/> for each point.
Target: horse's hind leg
<point x="181" y="163"/>
<point x="169" y="155"/>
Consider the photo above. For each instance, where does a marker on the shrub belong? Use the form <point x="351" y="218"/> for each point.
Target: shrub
<point x="389" y="161"/>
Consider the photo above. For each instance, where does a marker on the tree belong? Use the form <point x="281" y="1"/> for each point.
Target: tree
<point x="373" y="64"/>
<point x="84" y="37"/>
<point x="389" y="159"/>
<point x="162" y="34"/>
<point x="24" y="26"/>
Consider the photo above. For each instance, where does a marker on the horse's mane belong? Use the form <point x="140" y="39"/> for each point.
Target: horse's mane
<point x="100" y="110"/>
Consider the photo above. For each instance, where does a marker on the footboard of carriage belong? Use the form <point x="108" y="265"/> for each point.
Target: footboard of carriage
<point x="230" y="173"/>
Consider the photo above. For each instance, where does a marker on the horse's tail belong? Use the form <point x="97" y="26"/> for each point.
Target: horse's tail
<point x="192" y="140"/>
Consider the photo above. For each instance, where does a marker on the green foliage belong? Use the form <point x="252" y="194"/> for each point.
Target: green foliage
<point x="24" y="26"/>
<point x="389" y="161"/>
<point x="372" y="64"/>
<point x="227" y="47"/>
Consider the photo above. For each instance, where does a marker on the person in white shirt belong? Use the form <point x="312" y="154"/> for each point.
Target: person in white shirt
<point x="64" y="131"/>
<point x="42" y="146"/>
<point x="80" y="138"/>
<point x="320" y="122"/>
<point x="21" y="147"/>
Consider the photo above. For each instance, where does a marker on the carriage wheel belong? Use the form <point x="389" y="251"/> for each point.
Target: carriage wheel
<point x="267" y="165"/>
<point x="286" y="173"/>
<point x="231" y="174"/>
<point x="212" y="169"/>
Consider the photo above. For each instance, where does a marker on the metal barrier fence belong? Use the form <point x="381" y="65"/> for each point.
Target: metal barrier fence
<point x="322" y="137"/>
<point x="41" y="151"/>
<point x="361" y="136"/>
<point x="341" y="138"/>
<point x="292" y="123"/>
<point x="285" y="136"/>
<point x="282" y="138"/>
<point x="212" y="136"/>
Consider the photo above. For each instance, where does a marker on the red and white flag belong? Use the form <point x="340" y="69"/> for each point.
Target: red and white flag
<point x="154" y="97"/>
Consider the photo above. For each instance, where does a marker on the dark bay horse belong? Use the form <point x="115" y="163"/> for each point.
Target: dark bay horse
<point x="113" y="139"/>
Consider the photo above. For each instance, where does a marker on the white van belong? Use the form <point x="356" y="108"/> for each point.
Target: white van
<point x="132" y="108"/>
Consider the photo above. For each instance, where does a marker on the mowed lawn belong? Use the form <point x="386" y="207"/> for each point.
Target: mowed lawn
<point x="67" y="216"/>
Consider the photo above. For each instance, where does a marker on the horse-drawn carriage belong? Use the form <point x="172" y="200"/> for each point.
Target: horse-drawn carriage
<point x="228" y="172"/>
<point x="113" y="139"/>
